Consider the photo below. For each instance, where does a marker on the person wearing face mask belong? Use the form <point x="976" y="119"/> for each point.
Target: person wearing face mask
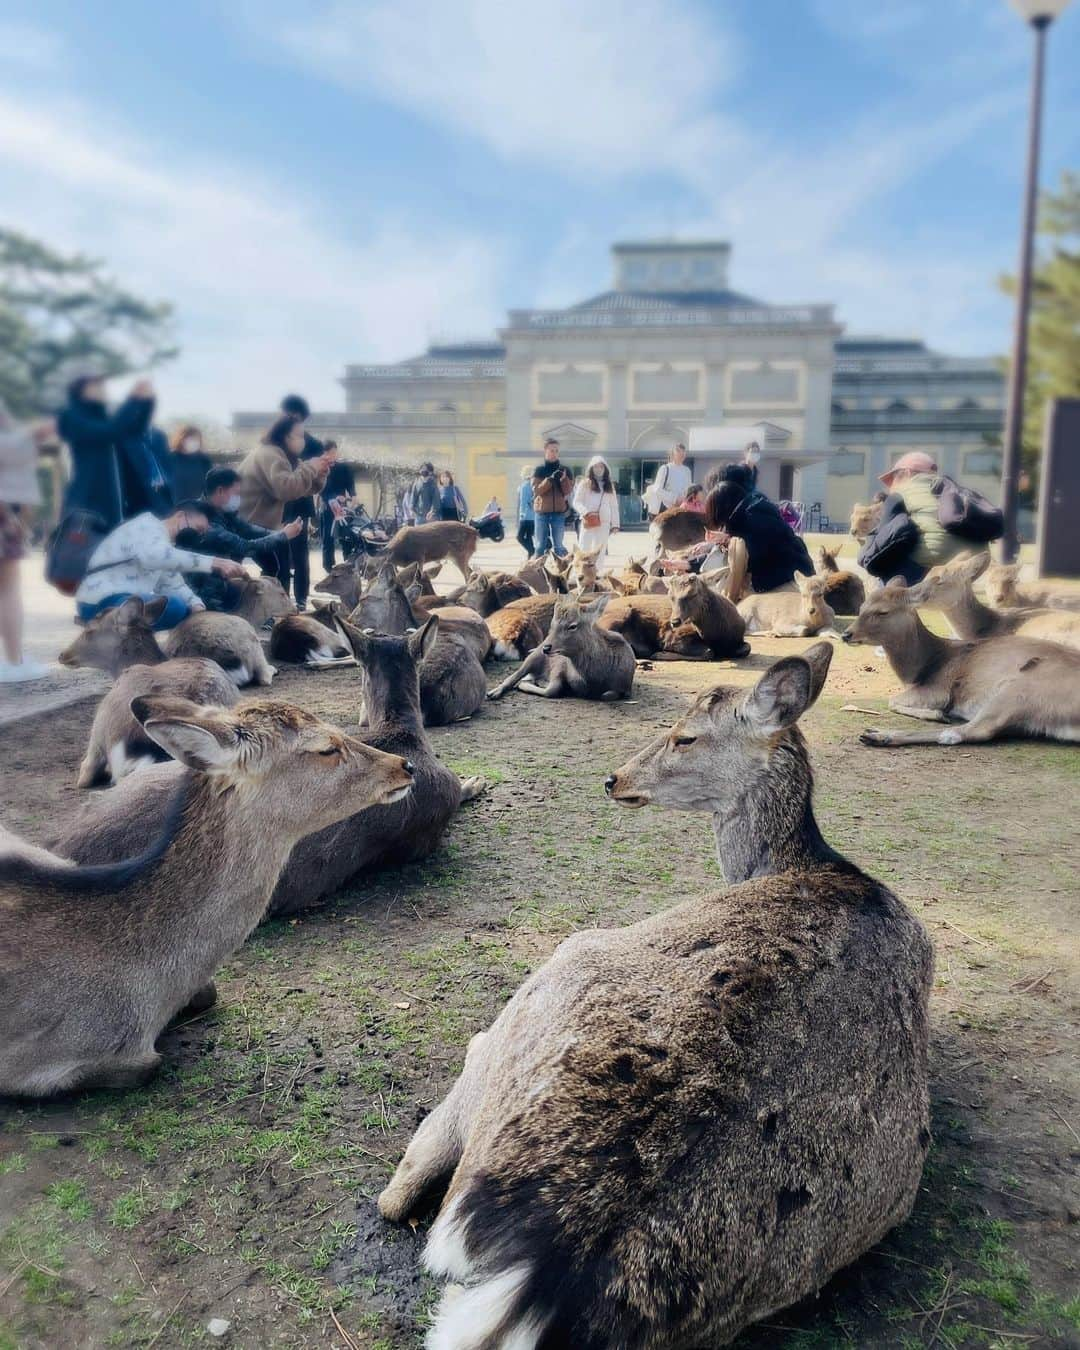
<point x="188" y="463"/>
<point x="752" y="458"/>
<point x="425" y="495"/>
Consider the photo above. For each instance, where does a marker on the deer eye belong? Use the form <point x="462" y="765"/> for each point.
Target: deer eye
<point x="685" y="740"/>
<point x="330" y="751"/>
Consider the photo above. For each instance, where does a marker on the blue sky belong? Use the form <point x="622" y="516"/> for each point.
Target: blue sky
<point x="330" y="182"/>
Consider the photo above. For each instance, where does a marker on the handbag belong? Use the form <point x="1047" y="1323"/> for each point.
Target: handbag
<point x="591" y="520"/>
<point x="651" y="498"/>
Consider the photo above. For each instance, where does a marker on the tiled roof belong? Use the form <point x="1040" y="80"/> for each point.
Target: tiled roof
<point x="660" y="300"/>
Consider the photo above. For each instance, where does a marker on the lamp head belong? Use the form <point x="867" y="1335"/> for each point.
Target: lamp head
<point x="1039" y="11"/>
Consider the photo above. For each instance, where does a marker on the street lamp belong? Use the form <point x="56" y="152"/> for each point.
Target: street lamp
<point x="1040" y="14"/>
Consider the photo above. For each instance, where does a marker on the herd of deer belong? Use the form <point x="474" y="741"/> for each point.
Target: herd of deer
<point x="670" y="1130"/>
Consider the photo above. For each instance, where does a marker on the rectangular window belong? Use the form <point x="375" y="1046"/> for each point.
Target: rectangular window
<point x="983" y="462"/>
<point x="845" y="463"/>
<point x="666" y="386"/>
<point x="560" y="388"/>
<point x="766" y="385"/>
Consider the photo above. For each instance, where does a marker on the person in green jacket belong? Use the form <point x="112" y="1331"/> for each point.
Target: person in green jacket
<point x="912" y="477"/>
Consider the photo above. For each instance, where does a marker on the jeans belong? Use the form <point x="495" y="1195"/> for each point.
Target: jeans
<point x="549" y="532"/>
<point x="326" y="534"/>
<point x="525" y="536"/>
<point x="174" y="612"/>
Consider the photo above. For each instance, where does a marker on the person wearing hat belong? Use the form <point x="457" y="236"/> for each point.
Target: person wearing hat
<point x="910" y="484"/>
<point x="597" y="503"/>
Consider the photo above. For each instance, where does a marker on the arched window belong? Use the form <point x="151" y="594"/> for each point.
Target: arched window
<point x="384" y="407"/>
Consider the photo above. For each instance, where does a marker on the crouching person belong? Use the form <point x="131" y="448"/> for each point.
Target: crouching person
<point x="140" y="558"/>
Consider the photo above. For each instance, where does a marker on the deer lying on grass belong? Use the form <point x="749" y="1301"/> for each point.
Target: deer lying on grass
<point x="226" y="639"/>
<point x="844" y="591"/>
<point x="121" y="641"/>
<point x="313" y="639"/>
<point x="950" y="587"/>
<point x="576" y="659"/>
<point x="675" y="1129"/>
<point x="513" y="634"/>
<point x="384" y="606"/>
<point x="585" y="570"/>
<point x="432" y="543"/>
<point x="637" y="579"/>
<point x="1004" y="591"/>
<point x="94" y="961"/>
<point x="452" y="681"/>
<point x="1000" y="686"/>
<point x="696" y="601"/>
<point x="865" y="518"/>
<point x="544" y="574"/>
<point x="800" y="613"/>
<point x="647" y="622"/>
<point x="487" y="593"/>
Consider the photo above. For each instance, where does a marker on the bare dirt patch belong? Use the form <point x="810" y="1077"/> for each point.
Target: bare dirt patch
<point x="240" y="1184"/>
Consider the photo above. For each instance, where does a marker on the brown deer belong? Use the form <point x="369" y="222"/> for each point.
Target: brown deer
<point x="487" y="593"/>
<point x="803" y="612"/>
<point x="542" y="575"/>
<point x="586" y="571"/>
<point x="1004" y="591"/>
<point x="452" y="681"/>
<point x="646" y="621"/>
<point x="982" y="690"/>
<point x="950" y="587"/>
<point x="95" y="961"/>
<point x="344" y="582"/>
<point x="314" y="639"/>
<point x="677" y="528"/>
<point x="384" y="606"/>
<point x="865" y="518"/>
<point x="261" y="600"/>
<point x="696" y="601"/>
<point x="637" y="579"/>
<point x="513" y="634"/>
<point x="675" y="1129"/>
<point x="432" y="543"/>
<point x="121" y="641"/>
<point x="576" y="659"/>
<point x="226" y="639"/>
<point x="844" y="591"/>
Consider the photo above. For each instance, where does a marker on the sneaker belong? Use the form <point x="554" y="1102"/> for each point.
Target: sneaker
<point x="23" y="673"/>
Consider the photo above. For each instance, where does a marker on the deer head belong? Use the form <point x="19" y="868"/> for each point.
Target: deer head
<point x="950" y="583"/>
<point x="887" y="618"/>
<point x="570" y="625"/>
<point x="1000" y="583"/>
<point x="116" y="637"/>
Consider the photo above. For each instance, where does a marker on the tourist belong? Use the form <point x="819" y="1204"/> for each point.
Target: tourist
<point x="188" y="464"/>
<point x="671" y="483"/>
<point x="302" y="508"/>
<point x="526" y="514"/>
<point x="105" y="480"/>
<point x="451" y="501"/>
<point x="597" y="505"/>
<point x="140" y="558"/>
<point x="909" y="538"/>
<point x="751" y="459"/>
<point x="424" y="498"/>
<point x="694" y="499"/>
<point x="339" y="492"/>
<point x="19" y="492"/>
<point x="763" y="550"/>
<point x="551" y="485"/>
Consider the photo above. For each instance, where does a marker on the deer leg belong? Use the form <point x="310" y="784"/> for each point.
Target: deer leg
<point x="924" y="712"/>
<point x="92" y="768"/>
<point x="985" y="727"/>
<point x="473" y="787"/>
<point x="116" y="1073"/>
<point x="535" y="662"/>
<point x="200" y="1001"/>
<point x="262" y="671"/>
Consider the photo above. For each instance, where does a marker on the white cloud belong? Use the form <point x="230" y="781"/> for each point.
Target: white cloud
<point x="268" y="299"/>
<point x="28" y="47"/>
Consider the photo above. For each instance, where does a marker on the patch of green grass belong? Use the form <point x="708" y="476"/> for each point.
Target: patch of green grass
<point x="129" y="1210"/>
<point x="70" y="1197"/>
<point x="15" y="1162"/>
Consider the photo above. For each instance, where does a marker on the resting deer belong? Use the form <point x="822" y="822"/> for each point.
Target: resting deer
<point x="803" y="612"/>
<point x="696" y="601"/>
<point x="586" y="570"/>
<point x="384" y="606"/>
<point x="95" y="961"/>
<point x="677" y="528"/>
<point x="487" y="593"/>
<point x="453" y="685"/>
<point x="999" y="686"/>
<point x="675" y="1129"/>
<point x="432" y="543"/>
<point x="121" y="641"/>
<point x="1004" y="591"/>
<point x="542" y="575"/>
<point x="261" y="600"/>
<point x="314" y="639"/>
<point x="844" y="591"/>
<point x="577" y="659"/>
<point x="344" y="582"/>
<point x="226" y="639"/>
<point x="950" y="587"/>
<point x="513" y="634"/>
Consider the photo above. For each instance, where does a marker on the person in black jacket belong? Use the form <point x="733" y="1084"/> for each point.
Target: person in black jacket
<point x="338" y="491"/>
<point x="188" y="464"/>
<point x="772" y="552"/>
<point x="108" y="475"/>
<point x="300" y="508"/>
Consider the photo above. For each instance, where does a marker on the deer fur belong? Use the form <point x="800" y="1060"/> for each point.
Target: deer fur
<point x="261" y="600"/>
<point x="803" y="612"/>
<point x="384" y="606"/>
<point x="1004" y="591"/>
<point x="576" y="659"/>
<point x="311" y="639"/>
<point x="981" y="690"/>
<point x="513" y="634"/>
<point x="586" y="571"/>
<point x="865" y="518"/>
<point x="637" y="579"/>
<point x="844" y="591"/>
<point x="675" y="1129"/>
<point x="646" y="623"/>
<point x="453" y="685"/>
<point x="434" y="542"/>
<point x="677" y="528"/>
<point x="542" y="575"/>
<point x="465" y="624"/>
<point x="344" y="582"/>
<point x="94" y="961"/>
<point x="950" y="587"/>
<point x="698" y="601"/>
<point x="226" y="639"/>
<point x="539" y="608"/>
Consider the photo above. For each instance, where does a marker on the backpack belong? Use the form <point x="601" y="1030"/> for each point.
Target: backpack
<point x="70" y="546"/>
<point x="966" y="513"/>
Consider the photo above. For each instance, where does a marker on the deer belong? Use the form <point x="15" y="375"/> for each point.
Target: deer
<point x="1001" y="583"/>
<point x="513" y="634"/>
<point x="344" y="582"/>
<point x="637" y="579"/>
<point x="576" y="659"/>
<point x="675" y="1129"/>
<point x="586" y="571"/>
<point x="865" y="518"/>
<point x="314" y="639"/>
<point x="461" y="622"/>
<point x="261" y="600"/>
<point x="543" y="574"/>
<point x="226" y="639"/>
<point x="96" y="960"/>
<point x="981" y="690"/>
<point x="433" y="542"/>
<point x="647" y="624"/>
<point x="121" y="641"/>
<point x="803" y="612"/>
<point x="844" y="591"/>
<point x="486" y="594"/>
<point x="384" y="606"/>
<point x="452" y="681"/>
<point x="696" y="601"/>
<point x="950" y="587"/>
<point x="677" y="528"/>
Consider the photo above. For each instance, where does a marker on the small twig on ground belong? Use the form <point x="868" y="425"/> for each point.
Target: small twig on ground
<point x="14" y="1276"/>
<point x="959" y="930"/>
<point x="1026" y="986"/>
<point x="344" y="1334"/>
<point x="168" y="1319"/>
<point x="870" y="712"/>
<point x="1065" y="1123"/>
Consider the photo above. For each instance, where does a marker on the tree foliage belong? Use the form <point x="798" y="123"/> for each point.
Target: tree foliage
<point x="61" y="316"/>
<point x="1054" y="334"/>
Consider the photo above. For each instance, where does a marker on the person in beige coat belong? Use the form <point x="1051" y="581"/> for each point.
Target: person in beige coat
<point x="273" y="474"/>
<point x="18" y="491"/>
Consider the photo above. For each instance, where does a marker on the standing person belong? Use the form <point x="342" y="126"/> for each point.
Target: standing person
<point x="551" y="485"/>
<point x="526" y="514"/>
<point x="451" y="501"/>
<point x="188" y="464"/>
<point x="140" y="558"/>
<point x="301" y="508"/>
<point x="762" y="547"/>
<point x="751" y="459"/>
<point x="19" y="492"/>
<point x="672" y="482"/>
<point x="273" y="475"/>
<point x="105" y="479"/>
<point x="597" y="504"/>
<point x="425" y="495"/>
<point x="338" y="492"/>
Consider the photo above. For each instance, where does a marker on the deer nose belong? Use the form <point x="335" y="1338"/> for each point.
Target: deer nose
<point x="609" y="784"/>
<point x="408" y="766"/>
<point x="846" y="637"/>
<point x="546" y="648"/>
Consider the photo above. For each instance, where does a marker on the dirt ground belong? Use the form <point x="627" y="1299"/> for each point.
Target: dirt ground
<point x="240" y="1184"/>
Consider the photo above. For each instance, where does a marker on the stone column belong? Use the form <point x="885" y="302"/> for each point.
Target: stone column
<point x="616" y="410"/>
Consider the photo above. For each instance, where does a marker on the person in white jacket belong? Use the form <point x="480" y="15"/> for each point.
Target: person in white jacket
<point x="597" y="503"/>
<point x="19" y="493"/>
<point x="140" y="558"/>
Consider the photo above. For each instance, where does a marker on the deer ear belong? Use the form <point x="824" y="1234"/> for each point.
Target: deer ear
<point x="595" y="608"/>
<point x="421" y="640"/>
<point x="357" y="640"/>
<point x="975" y="567"/>
<point x="896" y="584"/>
<point x="154" y="609"/>
<point x="802" y="581"/>
<point x="130" y="611"/>
<point x="616" y="585"/>
<point x="193" y="735"/>
<point x="781" y="696"/>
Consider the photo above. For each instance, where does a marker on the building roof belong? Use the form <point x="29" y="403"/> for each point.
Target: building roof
<point x="660" y="300"/>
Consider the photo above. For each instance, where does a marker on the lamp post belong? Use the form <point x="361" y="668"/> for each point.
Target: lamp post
<point x="1040" y="14"/>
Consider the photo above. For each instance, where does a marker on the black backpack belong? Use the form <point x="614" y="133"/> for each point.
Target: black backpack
<point x="966" y="513"/>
